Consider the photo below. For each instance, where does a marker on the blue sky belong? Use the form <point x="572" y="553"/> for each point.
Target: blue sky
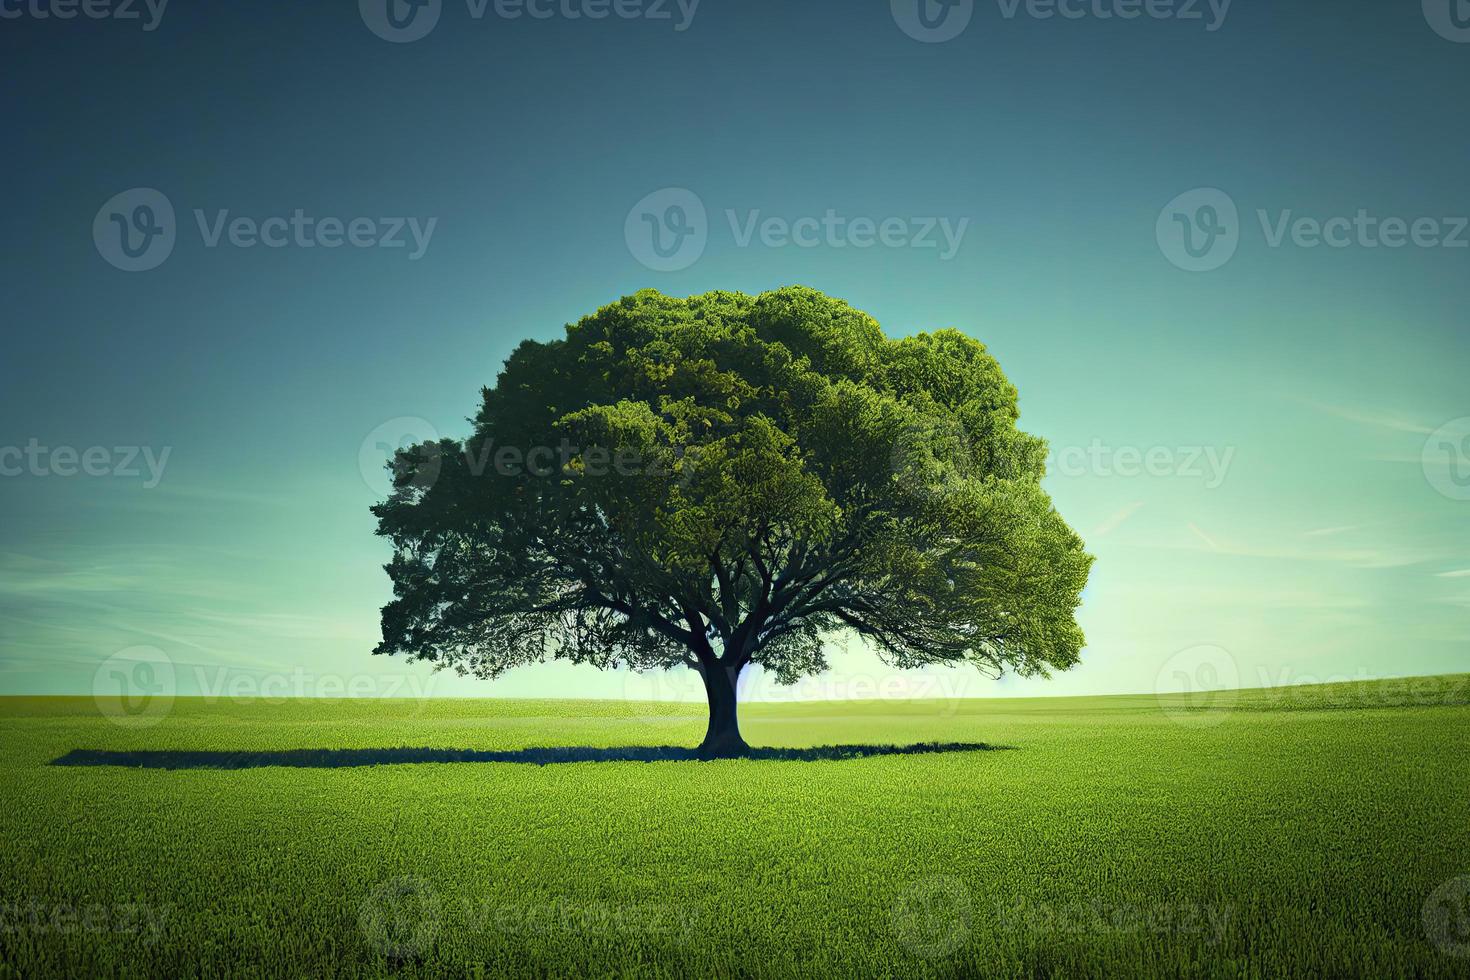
<point x="1261" y="454"/>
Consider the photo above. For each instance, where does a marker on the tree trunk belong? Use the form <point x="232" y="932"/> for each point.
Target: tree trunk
<point x="722" y="739"/>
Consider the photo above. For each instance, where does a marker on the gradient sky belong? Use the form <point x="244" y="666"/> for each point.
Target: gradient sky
<point x="1327" y="547"/>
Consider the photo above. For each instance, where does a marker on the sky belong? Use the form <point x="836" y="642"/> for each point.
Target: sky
<point x="1221" y="250"/>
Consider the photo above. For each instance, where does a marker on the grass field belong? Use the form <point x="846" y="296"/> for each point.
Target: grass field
<point x="1300" y="832"/>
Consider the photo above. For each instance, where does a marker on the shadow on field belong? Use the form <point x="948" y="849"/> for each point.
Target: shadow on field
<point x="340" y="758"/>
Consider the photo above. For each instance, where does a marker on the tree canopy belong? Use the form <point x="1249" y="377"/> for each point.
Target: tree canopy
<point x="725" y="480"/>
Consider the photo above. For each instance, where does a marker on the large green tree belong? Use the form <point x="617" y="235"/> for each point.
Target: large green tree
<point x="723" y="481"/>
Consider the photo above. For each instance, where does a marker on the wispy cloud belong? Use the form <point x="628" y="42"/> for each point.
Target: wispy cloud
<point x="79" y="605"/>
<point x="1117" y="518"/>
<point x="1378" y="419"/>
<point x="1327" y="532"/>
<point x="1394" y="554"/>
<point x="1203" y="536"/>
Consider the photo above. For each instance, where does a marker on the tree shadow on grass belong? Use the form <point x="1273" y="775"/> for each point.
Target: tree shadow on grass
<point x="341" y="758"/>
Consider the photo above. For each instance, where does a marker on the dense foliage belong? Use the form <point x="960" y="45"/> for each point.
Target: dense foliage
<point x="725" y="480"/>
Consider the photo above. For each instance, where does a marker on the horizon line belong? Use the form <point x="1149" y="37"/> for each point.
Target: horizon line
<point x="210" y="698"/>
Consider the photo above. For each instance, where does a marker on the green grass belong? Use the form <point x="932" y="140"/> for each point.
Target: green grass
<point x="1287" y="833"/>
